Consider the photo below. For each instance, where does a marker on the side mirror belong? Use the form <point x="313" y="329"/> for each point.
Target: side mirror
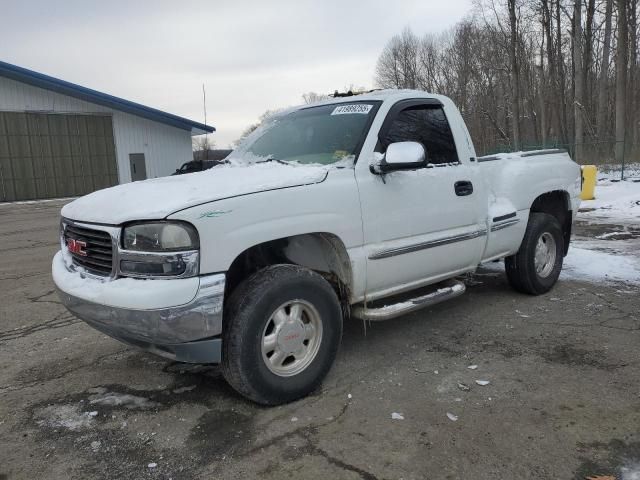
<point x="401" y="156"/>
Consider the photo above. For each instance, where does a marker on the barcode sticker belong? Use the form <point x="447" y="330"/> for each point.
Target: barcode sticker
<point x="362" y="108"/>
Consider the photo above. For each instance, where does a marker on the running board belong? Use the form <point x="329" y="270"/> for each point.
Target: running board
<point x="444" y="291"/>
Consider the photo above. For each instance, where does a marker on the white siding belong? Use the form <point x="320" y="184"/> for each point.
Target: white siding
<point x="165" y="148"/>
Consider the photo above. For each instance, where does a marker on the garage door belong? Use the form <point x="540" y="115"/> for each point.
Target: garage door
<point x="55" y="155"/>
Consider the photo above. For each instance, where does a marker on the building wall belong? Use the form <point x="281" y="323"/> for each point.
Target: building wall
<point x="165" y="147"/>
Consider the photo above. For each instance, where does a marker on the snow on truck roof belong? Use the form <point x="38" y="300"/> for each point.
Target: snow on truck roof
<point x="388" y="94"/>
<point x="377" y="95"/>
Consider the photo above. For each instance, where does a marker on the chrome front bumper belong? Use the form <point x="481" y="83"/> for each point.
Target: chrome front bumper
<point x="186" y="333"/>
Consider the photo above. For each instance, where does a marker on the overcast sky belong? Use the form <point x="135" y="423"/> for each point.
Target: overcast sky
<point x="251" y="56"/>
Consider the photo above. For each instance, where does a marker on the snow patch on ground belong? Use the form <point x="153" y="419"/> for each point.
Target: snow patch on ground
<point x="599" y="266"/>
<point x="615" y="202"/>
<point x="586" y="263"/>
<point x="113" y="399"/>
<point x="184" y="389"/>
<point x="631" y="472"/>
<point x="64" y="416"/>
<point x="32" y="202"/>
<point x="605" y="258"/>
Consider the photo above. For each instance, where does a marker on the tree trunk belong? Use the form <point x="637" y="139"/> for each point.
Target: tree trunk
<point x="541" y="94"/>
<point x="588" y="57"/>
<point x="621" y="79"/>
<point x="542" y="107"/>
<point x="562" y="107"/>
<point x="603" y="80"/>
<point x="515" y="75"/>
<point x="552" y="85"/>
<point x="632" y="88"/>
<point x="578" y="80"/>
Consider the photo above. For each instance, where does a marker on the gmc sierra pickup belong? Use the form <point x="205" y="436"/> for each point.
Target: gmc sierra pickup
<point x="365" y="207"/>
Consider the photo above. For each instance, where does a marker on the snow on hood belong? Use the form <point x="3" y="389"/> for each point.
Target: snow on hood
<point x="159" y="197"/>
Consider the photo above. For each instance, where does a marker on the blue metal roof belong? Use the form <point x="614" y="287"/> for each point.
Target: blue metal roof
<point x="83" y="93"/>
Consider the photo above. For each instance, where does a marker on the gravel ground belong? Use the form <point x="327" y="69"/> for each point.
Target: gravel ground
<point x="562" y="402"/>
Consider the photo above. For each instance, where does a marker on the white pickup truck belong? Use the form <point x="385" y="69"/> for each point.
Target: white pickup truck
<point x="365" y="206"/>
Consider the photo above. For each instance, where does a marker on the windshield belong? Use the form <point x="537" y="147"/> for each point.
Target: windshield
<point x="324" y="134"/>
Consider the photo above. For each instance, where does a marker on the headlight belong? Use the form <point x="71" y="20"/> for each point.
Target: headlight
<point x="159" y="249"/>
<point x="160" y="237"/>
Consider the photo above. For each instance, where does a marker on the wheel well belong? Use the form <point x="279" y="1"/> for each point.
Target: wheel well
<point x="322" y="252"/>
<point x="556" y="203"/>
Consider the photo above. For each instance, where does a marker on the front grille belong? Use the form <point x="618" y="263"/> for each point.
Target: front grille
<point x="99" y="249"/>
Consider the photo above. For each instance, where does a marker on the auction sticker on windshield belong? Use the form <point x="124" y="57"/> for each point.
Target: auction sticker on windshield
<point x="353" y="108"/>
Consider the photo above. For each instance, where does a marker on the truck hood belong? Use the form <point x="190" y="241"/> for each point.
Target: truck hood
<point x="157" y="198"/>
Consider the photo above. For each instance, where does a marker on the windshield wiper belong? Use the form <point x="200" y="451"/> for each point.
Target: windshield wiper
<point x="271" y="158"/>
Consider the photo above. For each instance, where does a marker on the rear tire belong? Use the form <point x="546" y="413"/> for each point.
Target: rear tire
<point x="281" y="335"/>
<point x="536" y="267"/>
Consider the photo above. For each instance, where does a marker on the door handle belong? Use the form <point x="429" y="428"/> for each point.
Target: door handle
<point x="463" y="188"/>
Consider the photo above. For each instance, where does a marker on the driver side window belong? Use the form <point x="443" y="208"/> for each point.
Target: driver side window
<point x="428" y="125"/>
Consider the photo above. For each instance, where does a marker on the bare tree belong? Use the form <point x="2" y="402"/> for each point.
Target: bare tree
<point x="588" y="49"/>
<point x="515" y="72"/>
<point x="202" y="142"/>
<point x="578" y="79"/>
<point x="525" y="72"/>
<point x="621" y="80"/>
<point x="313" y="97"/>
<point x="632" y="88"/>
<point x="398" y="63"/>
<point x="251" y="128"/>
<point x="552" y="77"/>
<point x="603" y="79"/>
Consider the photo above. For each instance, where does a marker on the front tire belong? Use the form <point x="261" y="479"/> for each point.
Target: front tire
<point x="536" y="267"/>
<point x="282" y="333"/>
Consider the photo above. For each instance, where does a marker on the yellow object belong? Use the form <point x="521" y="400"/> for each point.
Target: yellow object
<point x="589" y="173"/>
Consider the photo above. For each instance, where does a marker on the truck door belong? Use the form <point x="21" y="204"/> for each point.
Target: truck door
<point x="420" y="225"/>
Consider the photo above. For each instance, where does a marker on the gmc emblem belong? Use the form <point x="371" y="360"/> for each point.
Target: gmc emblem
<point x="77" y="246"/>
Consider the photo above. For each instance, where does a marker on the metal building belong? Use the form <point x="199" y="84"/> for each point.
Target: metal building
<point x="58" y="139"/>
